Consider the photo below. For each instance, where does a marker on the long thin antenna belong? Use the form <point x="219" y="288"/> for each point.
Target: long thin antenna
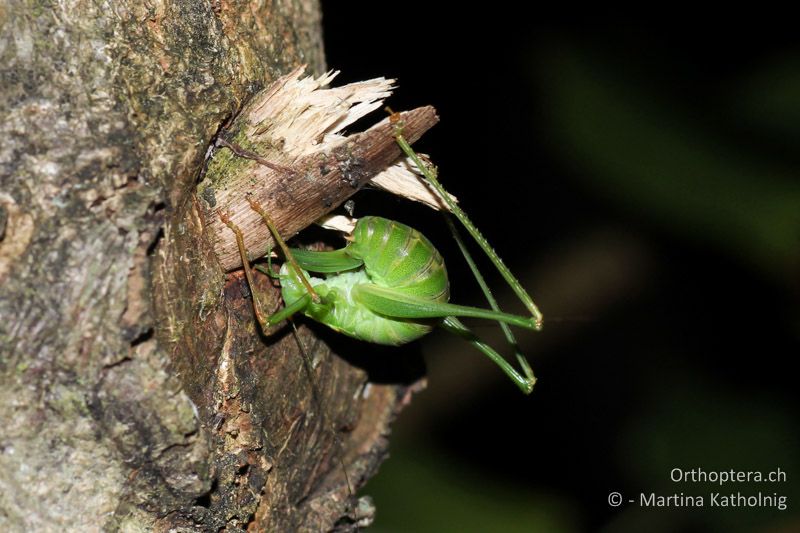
<point x="326" y="422"/>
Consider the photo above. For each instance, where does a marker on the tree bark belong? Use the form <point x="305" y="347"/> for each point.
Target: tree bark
<point x="136" y="391"/>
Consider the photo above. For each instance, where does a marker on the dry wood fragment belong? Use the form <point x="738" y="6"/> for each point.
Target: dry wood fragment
<point x="287" y="151"/>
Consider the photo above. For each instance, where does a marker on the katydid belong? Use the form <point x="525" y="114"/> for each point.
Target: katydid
<point x="389" y="284"/>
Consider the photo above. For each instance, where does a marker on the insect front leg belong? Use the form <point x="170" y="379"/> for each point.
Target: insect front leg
<point x="287" y="252"/>
<point x="264" y="320"/>
<point x="248" y="273"/>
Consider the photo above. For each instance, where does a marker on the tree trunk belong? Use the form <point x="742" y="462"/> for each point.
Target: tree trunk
<point x="136" y="391"/>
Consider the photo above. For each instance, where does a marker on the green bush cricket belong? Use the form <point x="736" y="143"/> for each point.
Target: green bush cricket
<point x="389" y="284"/>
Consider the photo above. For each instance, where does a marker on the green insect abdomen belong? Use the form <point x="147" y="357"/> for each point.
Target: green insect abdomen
<point x="400" y="257"/>
<point x="394" y="256"/>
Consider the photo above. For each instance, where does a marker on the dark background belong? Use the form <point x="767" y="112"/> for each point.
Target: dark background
<point x="641" y="180"/>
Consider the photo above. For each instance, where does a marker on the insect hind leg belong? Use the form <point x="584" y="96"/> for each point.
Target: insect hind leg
<point x="512" y="340"/>
<point x="430" y="174"/>
<point x="455" y="326"/>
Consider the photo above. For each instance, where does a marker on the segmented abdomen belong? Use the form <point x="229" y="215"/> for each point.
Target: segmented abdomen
<point x="400" y="257"/>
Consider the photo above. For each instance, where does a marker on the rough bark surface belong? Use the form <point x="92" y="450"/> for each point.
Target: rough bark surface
<point x="136" y="392"/>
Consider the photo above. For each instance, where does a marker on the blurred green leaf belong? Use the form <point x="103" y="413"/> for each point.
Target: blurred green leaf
<point x="419" y="491"/>
<point x="769" y="98"/>
<point x="656" y="160"/>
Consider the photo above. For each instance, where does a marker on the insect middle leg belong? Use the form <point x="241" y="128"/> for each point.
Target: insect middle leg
<point x="265" y="320"/>
<point x="285" y="313"/>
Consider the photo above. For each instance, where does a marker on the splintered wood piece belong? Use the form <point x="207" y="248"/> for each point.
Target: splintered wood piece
<point x="404" y="179"/>
<point x="317" y="184"/>
<point x="288" y="151"/>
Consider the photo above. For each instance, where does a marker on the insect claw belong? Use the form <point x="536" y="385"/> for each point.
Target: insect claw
<point x="533" y="323"/>
<point x="255" y="206"/>
<point x="224" y="217"/>
<point x="396" y="120"/>
<point x="529" y="386"/>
